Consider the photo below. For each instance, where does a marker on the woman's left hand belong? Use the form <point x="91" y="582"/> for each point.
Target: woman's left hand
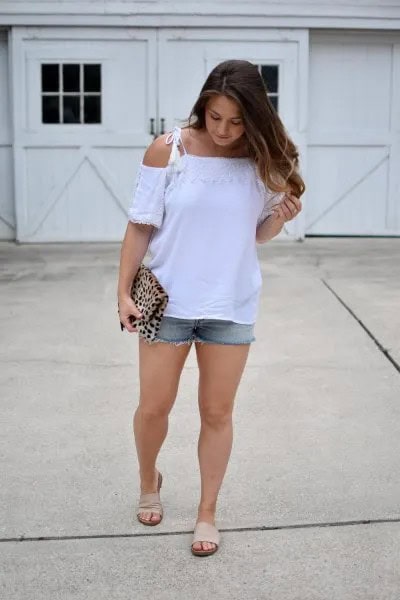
<point x="288" y="208"/>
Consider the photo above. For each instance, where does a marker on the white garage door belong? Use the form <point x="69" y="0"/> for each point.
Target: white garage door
<point x="7" y="218"/>
<point x="87" y="110"/>
<point x="353" y="170"/>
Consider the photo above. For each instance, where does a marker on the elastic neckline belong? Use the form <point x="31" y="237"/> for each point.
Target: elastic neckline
<point x="217" y="157"/>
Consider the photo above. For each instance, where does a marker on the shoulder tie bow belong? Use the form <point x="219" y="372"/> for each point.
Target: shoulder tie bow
<point x="175" y="158"/>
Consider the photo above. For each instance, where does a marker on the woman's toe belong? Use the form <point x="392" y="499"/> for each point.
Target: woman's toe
<point x="204" y="546"/>
<point x="197" y="546"/>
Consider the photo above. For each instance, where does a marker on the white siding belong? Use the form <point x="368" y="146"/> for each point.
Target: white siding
<point x="7" y="218"/>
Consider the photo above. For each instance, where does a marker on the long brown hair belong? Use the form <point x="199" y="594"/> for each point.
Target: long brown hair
<point x="268" y="143"/>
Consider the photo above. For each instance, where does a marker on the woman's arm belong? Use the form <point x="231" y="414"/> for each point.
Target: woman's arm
<point x="284" y="211"/>
<point x="136" y="242"/>
<point x="270" y="228"/>
<point x="133" y="251"/>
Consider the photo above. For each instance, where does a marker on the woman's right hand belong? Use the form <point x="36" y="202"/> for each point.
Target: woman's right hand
<point x="127" y="307"/>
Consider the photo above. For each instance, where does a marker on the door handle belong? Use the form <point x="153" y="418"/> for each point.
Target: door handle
<point x="152" y="132"/>
<point x="162" y="126"/>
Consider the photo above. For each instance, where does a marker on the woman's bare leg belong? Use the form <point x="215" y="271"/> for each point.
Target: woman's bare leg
<point x="221" y="367"/>
<point x="160" y="368"/>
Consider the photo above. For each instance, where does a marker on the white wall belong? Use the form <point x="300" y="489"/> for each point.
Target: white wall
<point x="360" y="14"/>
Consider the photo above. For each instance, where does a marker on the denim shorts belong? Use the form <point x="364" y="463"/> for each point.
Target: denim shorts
<point x="212" y="331"/>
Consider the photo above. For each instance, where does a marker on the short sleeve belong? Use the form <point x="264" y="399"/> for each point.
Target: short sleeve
<point x="270" y="199"/>
<point x="148" y="197"/>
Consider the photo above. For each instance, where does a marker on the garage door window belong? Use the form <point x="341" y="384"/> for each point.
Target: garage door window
<point x="270" y="74"/>
<point x="71" y="93"/>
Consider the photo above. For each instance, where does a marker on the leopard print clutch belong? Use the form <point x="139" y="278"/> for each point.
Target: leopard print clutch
<point x="151" y="299"/>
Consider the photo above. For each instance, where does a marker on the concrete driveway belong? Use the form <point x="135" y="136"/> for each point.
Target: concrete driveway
<point x="310" y="505"/>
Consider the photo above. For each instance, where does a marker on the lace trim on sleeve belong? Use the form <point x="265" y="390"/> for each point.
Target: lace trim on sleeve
<point x="147" y="205"/>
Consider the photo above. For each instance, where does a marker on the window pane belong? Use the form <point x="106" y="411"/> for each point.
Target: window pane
<point x="274" y="102"/>
<point x="91" y="78"/>
<point x="71" y="109"/>
<point x="50" y="79"/>
<point x="50" y="109"/>
<point x="92" y="109"/>
<point x="270" y="75"/>
<point x="71" y="78"/>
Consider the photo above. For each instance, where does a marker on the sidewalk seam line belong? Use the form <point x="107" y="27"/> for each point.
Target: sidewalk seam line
<point x="226" y="530"/>
<point x="384" y="351"/>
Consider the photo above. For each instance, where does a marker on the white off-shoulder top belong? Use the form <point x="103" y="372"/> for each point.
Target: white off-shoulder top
<point x="205" y="211"/>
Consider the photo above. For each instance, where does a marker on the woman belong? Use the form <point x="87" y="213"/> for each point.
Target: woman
<point x="229" y="180"/>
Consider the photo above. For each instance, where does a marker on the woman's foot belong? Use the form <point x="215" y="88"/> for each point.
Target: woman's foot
<point x="205" y="516"/>
<point x="147" y="516"/>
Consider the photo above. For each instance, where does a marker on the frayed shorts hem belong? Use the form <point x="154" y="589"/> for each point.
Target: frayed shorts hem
<point x="200" y="341"/>
<point x="176" y="331"/>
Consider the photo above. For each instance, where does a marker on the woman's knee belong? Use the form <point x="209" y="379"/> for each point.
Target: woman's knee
<point x="156" y="401"/>
<point x="216" y="418"/>
<point x="153" y="412"/>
